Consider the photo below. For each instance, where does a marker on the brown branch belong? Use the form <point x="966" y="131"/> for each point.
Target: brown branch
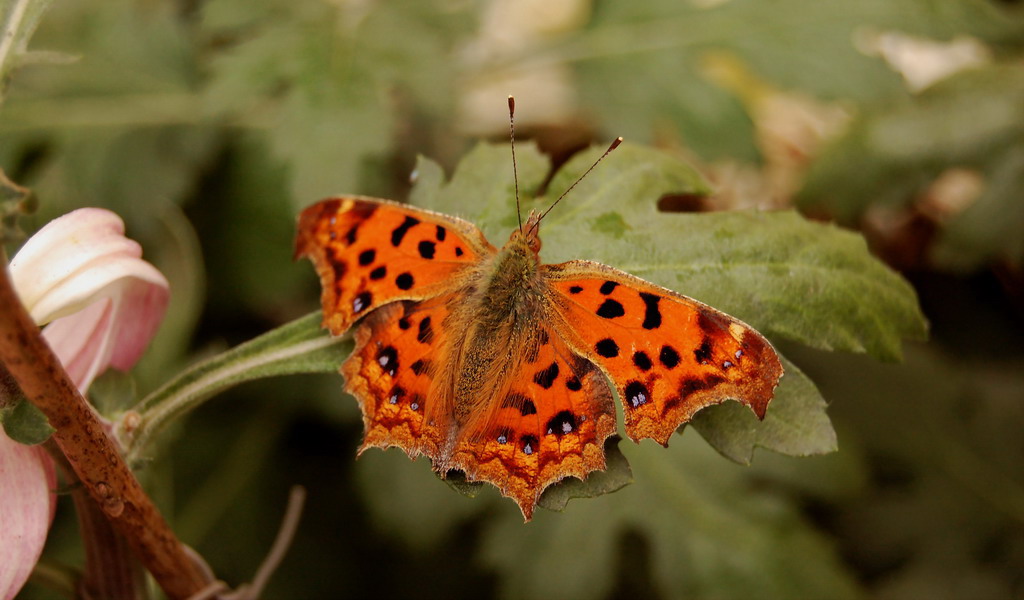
<point x="92" y="454"/>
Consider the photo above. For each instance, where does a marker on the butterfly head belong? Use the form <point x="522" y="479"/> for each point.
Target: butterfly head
<point x="529" y="233"/>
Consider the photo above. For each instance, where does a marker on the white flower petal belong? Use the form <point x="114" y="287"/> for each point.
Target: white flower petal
<point x="62" y="247"/>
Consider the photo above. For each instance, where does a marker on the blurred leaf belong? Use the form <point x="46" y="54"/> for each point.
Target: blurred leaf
<point x="705" y="533"/>
<point x="113" y="392"/>
<point x="709" y="120"/>
<point x="942" y="510"/>
<point x="991" y="227"/>
<point x="121" y="127"/>
<point x="25" y="424"/>
<point x="613" y="478"/>
<point x="330" y="75"/>
<point x="796" y="423"/>
<point x="974" y="119"/>
<point x="251" y="264"/>
<point x="406" y="500"/>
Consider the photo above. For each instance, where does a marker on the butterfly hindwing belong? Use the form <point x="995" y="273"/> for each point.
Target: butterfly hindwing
<point x="390" y="372"/>
<point x="369" y="252"/>
<point x="550" y="422"/>
<point x="668" y="355"/>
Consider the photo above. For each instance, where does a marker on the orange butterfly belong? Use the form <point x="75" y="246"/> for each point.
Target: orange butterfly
<point x="489" y="362"/>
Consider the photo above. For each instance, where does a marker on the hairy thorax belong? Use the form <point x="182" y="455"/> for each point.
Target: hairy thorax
<point x="507" y="301"/>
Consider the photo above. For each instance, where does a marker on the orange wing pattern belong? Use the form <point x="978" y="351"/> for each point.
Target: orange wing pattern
<point x="370" y="252"/>
<point x="390" y="373"/>
<point x="549" y="424"/>
<point x="668" y="355"/>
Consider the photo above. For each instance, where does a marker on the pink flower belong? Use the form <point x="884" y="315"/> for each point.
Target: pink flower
<point x="103" y="304"/>
<point x="26" y="483"/>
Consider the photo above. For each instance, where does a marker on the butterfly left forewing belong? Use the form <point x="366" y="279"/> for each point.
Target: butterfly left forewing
<point x="667" y="355"/>
<point x="369" y="252"/>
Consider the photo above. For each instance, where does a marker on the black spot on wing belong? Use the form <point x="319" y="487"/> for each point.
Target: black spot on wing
<point x="398" y="234"/>
<point x="524" y="405"/>
<point x="610" y="309"/>
<point x="573" y="384"/>
<point x="562" y="424"/>
<point x="379" y="273"/>
<point x="366" y="257"/>
<point x="387" y="358"/>
<point x="427" y="249"/>
<point x="669" y="357"/>
<point x="575" y="289"/>
<point x="545" y="378"/>
<point x="404" y="281"/>
<point x="426" y="332"/>
<point x="652" y="314"/>
<point x="636" y="394"/>
<point x="642" y="361"/>
<point x="608" y="287"/>
<point x="362" y="302"/>
<point x="441" y="233"/>
<point x="703" y="353"/>
<point x="607" y="348"/>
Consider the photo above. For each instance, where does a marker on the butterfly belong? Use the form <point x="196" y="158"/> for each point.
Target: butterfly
<point x="491" y="363"/>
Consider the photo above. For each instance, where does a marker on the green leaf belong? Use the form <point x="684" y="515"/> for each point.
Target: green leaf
<point x="482" y="188"/>
<point x="796" y="423"/>
<point x="25" y="424"/>
<point x="297" y="347"/>
<point x="613" y="478"/>
<point x="329" y="75"/>
<point x="113" y="392"/>
<point x="691" y="524"/>
<point x="787" y="276"/>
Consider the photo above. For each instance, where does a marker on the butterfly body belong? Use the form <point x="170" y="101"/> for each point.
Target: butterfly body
<point x="492" y="363"/>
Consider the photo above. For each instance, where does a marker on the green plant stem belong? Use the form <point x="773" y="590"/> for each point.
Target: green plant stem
<point x="83" y="440"/>
<point x="297" y="347"/>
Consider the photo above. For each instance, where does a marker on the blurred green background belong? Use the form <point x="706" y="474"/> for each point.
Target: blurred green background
<point x="208" y="125"/>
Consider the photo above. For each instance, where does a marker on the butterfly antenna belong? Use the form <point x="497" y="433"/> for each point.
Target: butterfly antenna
<point x="515" y="171"/>
<point x="612" y="146"/>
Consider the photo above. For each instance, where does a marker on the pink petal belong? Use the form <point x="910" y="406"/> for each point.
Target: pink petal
<point x="27" y="503"/>
<point x="111" y="331"/>
<point x="103" y="302"/>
